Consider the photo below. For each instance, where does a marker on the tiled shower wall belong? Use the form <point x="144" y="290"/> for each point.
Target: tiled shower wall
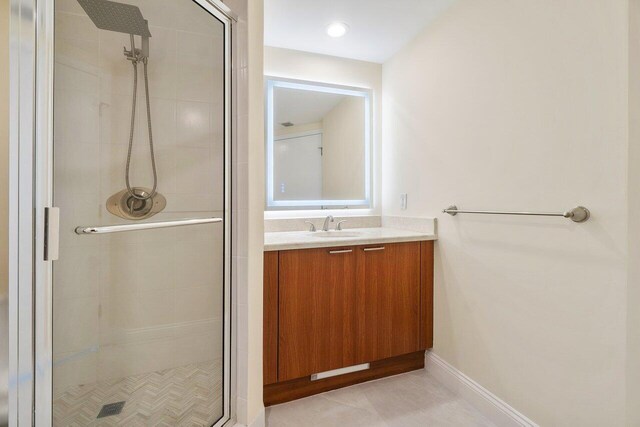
<point x="137" y="302"/>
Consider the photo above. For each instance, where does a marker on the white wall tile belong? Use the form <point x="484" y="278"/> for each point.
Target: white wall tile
<point x="163" y="118"/>
<point x="199" y="49"/>
<point x="134" y="310"/>
<point x="117" y="361"/>
<point x="196" y="82"/>
<point x="163" y="66"/>
<point x="78" y="116"/>
<point x="113" y="158"/>
<point x="76" y="321"/>
<point x="75" y="167"/>
<point x="199" y="348"/>
<point x="198" y="263"/>
<point x="76" y="39"/>
<point x="155" y="267"/>
<point x="198" y="303"/>
<point x="193" y="124"/>
<point x="75" y="274"/>
<point x="166" y="168"/>
<point x="70" y="369"/>
<point x="194" y="173"/>
<point x="75" y="77"/>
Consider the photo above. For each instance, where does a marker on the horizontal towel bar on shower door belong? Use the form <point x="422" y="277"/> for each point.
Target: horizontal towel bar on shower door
<point x="577" y="214"/>
<point x="145" y="226"/>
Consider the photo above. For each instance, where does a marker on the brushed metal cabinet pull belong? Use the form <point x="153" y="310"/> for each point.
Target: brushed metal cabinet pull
<point x="344" y="251"/>
<point x="380" y="248"/>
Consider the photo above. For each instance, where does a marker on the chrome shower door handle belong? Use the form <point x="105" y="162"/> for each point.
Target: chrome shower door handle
<point x="145" y="226"/>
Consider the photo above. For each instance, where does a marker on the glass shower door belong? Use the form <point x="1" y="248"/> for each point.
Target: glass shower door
<point x="141" y="155"/>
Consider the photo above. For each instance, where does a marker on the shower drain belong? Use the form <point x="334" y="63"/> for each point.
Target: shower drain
<point x="111" y="409"/>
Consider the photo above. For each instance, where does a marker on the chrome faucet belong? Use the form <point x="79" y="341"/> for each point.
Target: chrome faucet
<point x="327" y="220"/>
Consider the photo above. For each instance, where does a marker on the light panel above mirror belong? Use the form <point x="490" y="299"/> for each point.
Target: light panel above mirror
<point x="318" y="146"/>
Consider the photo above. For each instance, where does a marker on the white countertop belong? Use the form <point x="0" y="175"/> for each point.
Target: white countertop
<point x="282" y="241"/>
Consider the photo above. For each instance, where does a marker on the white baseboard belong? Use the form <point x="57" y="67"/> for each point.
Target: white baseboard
<point x="491" y="406"/>
<point x="259" y="421"/>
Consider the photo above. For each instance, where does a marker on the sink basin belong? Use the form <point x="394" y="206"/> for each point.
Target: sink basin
<point x="335" y="234"/>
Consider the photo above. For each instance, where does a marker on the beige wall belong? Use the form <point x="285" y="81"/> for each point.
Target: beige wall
<point x="633" y="302"/>
<point x="4" y="141"/>
<point x="4" y="190"/>
<point x="299" y="65"/>
<point x="522" y="105"/>
<point x="343" y="155"/>
<point x="255" y="223"/>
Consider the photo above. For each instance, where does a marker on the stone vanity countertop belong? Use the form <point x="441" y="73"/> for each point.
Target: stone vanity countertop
<point x="282" y="241"/>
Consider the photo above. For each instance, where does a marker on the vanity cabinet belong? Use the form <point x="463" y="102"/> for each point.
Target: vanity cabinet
<point x="331" y="308"/>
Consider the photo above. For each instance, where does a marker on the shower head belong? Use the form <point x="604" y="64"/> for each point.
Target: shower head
<point x="119" y="17"/>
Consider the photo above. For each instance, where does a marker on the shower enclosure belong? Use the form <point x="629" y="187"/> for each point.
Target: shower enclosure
<point x="125" y="190"/>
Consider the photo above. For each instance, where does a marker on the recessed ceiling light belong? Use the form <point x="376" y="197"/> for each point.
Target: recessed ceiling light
<point x="337" y="29"/>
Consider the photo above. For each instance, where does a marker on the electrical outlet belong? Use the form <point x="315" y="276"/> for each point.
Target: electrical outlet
<point x="403" y="201"/>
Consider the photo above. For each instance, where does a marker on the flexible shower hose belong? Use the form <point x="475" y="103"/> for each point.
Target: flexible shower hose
<point x="131" y="132"/>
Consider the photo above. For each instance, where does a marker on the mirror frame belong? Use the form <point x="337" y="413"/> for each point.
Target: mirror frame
<point x="271" y="203"/>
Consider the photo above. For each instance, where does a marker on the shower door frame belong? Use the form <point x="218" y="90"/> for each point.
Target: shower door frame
<point x="31" y="192"/>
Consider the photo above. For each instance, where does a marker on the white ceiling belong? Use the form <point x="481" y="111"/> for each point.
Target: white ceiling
<point x="377" y="28"/>
<point x="302" y="106"/>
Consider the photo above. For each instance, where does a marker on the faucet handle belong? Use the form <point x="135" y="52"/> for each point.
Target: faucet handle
<point x="312" y="226"/>
<point x="339" y="224"/>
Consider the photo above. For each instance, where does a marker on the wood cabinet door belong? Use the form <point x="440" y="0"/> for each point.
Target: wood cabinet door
<point x="388" y="301"/>
<point x="270" y="319"/>
<point x="316" y="311"/>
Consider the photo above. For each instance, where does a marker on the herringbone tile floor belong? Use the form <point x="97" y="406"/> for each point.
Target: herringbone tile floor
<point x="186" y="396"/>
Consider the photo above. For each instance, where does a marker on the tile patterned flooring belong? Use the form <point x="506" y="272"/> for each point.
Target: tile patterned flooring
<point x="414" y="399"/>
<point x="190" y="396"/>
<point x="186" y="396"/>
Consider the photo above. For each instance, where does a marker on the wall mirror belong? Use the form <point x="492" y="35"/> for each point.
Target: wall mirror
<point x="318" y="146"/>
